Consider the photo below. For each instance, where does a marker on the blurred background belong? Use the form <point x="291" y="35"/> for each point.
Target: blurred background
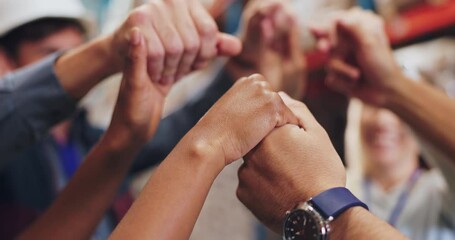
<point x="415" y="28"/>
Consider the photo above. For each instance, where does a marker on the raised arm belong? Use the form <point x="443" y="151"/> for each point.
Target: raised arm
<point x="186" y="34"/>
<point x="292" y="165"/>
<point x="363" y="66"/>
<point x="79" y="208"/>
<point x="172" y="199"/>
<point x="272" y="52"/>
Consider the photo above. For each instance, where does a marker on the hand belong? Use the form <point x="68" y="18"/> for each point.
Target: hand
<point x="362" y="64"/>
<point x="272" y="48"/>
<point x="218" y="7"/>
<point x="242" y="118"/>
<point x="140" y="101"/>
<point x="180" y="36"/>
<point x="289" y="166"/>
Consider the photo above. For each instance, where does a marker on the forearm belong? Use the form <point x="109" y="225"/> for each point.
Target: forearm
<point x="172" y="199"/>
<point x="358" y="223"/>
<point x="172" y="128"/>
<point x="428" y="111"/>
<point x="80" y="207"/>
<point x="81" y="69"/>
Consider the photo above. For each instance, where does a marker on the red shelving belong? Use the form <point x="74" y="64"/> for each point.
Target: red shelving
<point x="421" y="20"/>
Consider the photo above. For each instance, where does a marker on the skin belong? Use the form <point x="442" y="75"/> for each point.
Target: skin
<point x="271" y="40"/>
<point x="231" y="128"/>
<point x="363" y="66"/>
<point x="138" y="109"/>
<point x="82" y="68"/>
<point x="30" y="52"/>
<point x="391" y="151"/>
<point x="191" y="46"/>
<point x="293" y="164"/>
<point x="90" y="192"/>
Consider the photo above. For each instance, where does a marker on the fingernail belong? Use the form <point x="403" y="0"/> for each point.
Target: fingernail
<point x="135" y="37"/>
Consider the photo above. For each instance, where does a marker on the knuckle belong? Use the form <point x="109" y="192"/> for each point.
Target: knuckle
<point x="174" y="48"/>
<point x="192" y="46"/>
<point x="156" y="53"/>
<point x="208" y="28"/>
<point x="138" y="16"/>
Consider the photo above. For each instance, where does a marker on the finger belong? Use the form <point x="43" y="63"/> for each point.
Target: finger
<point x="283" y="19"/>
<point x="286" y="116"/>
<point x="342" y="77"/>
<point x="260" y="29"/>
<point x="208" y="31"/>
<point x="228" y="45"/>
<point x="190" y="39"/>
<point x="155" y="50"/>
<point x="293" y="50"/>
<point x="155" y="53"/>
<point x="136" y="67"/>
<point x="171" y="41"/>
<point x="306" y="119"/>
<point x="352" y="73"/>
<point x="324" y="40"/>
<point x="319" y="32"/>
<point x="218" y="7"/>
<point x="347" y="27"/>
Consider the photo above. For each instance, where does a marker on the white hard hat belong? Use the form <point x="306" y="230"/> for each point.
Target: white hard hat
<point x="14" y="13"/>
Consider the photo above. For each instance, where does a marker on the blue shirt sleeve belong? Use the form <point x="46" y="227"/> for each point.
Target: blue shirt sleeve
<point x="31" y="102"/>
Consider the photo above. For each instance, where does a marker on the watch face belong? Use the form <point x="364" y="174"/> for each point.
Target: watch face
<point x="300" y="225"/>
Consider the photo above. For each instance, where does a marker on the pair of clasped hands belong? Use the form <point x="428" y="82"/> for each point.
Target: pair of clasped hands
<point x="276" y="135"/>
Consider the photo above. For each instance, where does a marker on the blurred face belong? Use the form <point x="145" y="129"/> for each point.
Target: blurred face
<point x="386" y="140"/>
<point x="30" y="52"/>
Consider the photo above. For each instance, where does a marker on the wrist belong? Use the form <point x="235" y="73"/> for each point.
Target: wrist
<point x="201" y="149"/>
<point x="339" y="227"/>
<point x="120" y="140"/>
<point x="394" y="94"/>
<point x="108" y="52"/>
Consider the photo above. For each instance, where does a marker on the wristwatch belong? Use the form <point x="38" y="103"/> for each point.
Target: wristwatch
<point x="310" y="220"/>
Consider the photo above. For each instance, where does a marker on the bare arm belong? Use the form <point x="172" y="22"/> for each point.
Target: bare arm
<point x="427" y="110"/>
<point x="363" y="66"/>
<point x="82" y="68"/>
<point x="358" y="223"/>
<point x="293" y="164"/>
<point x="172" y="199"/>
<point x="77" y="211"/>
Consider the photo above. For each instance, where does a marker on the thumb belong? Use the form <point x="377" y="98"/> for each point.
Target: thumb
<point x="348" y="30"/>
<point x="136" y="65"/>
<point x="293" y="49"/>
<point x="305" y="118"/>
<point x="228" y="45"/>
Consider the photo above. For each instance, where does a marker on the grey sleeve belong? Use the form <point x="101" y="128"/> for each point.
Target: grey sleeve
<point x="176" y="125"/>
<point x="31" y="101"/>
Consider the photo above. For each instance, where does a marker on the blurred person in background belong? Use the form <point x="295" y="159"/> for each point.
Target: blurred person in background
<point x="397" y="188"/>
<point x="29" y="32"/>
<point x="395" y="184"/>
<point x="30" y="180"/>
<point x="276" y="175"/>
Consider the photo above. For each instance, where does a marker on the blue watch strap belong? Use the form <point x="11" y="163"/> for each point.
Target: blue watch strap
<point x="335" y="201"/>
